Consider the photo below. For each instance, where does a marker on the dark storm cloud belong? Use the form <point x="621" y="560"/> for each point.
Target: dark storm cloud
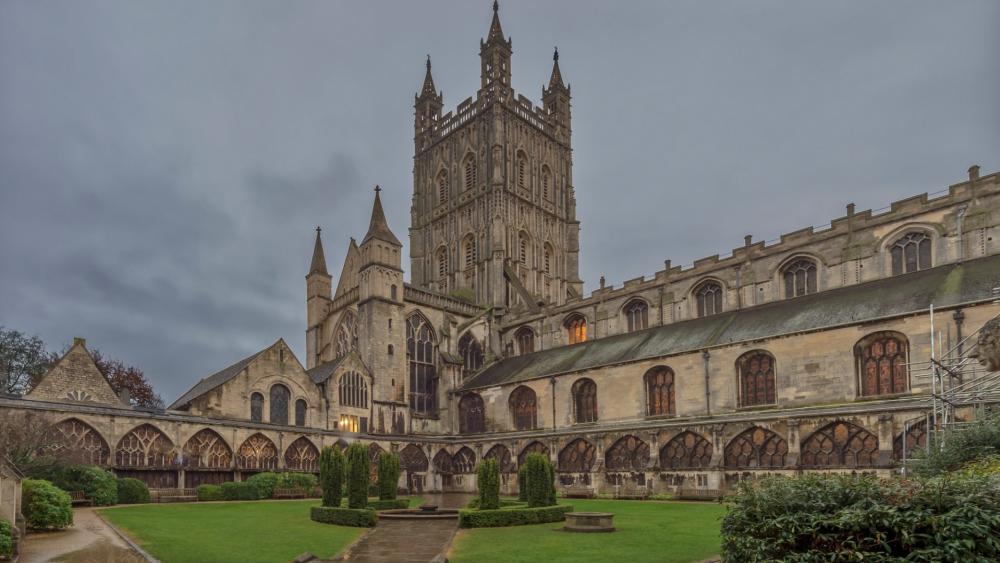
<point x="162" y="166"/>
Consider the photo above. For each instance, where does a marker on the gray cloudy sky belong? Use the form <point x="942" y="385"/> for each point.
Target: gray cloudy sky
<point x="163" y="164"/>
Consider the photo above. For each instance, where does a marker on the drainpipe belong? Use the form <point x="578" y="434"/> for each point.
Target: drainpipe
<point x="708" y="393"/>
<point x="959" y="317"/>
<point x="961" y="238"/>
<point x="552" y="380"/>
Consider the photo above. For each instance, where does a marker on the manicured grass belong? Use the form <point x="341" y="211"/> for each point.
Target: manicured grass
<point x="664" y="532"/>
<point x="252" y="531"/>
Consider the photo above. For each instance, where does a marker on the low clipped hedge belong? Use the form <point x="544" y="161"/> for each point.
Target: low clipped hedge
<point x="358" y="518"/>
<point x="132" y="491"/>
<point x="389" y="504"/>
<point x="504" y="503"/>
<point x="45" y="506"/>
<point x="6" y="539"/>
<point x="209" y="492"/>
<point x="246" y="490"/>
<point x="469" y="518"/>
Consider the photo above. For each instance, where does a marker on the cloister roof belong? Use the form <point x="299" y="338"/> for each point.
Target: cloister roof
<point x="942" y="286"/>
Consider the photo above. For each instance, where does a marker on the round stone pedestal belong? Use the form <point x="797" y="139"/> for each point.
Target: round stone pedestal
<point x="589" y="522"/>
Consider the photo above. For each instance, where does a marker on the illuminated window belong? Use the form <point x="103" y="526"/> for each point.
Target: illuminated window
<point x="576" y="329"/>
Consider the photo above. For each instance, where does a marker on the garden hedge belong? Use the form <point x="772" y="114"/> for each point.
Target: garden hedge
<point x="388" y="475"/>
<point x="132" y="491"/>
<point x="45" y="506"/>
<point x="6" y="539"/>
<point x="245" y="490"/>
<point x="389" y="504"/>
<point x="863" y="518"/>
<point x="363" y="518"/>
<point x="331" y="475"/>
<point x="504" y="503"/>
<point x="488" y="481"/>
<point x="209" y="492"/>
<point x="98" y="485"/>
<point x="540" y="481"/>
<point x="358" y="471"/>
<point x="470" y="518"/>
<point x="522" y="483"/>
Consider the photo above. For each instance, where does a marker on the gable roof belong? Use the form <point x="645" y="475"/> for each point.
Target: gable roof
<point x="323" y="371"/>
<point x="942" y="286"/>
<point x="216" y="379"/>
<point x="75" y="377"/>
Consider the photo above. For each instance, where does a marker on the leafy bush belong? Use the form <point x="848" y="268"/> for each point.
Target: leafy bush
<point x="359" y="518"/>
<point x="331" y="475"/>
<point x="540" y="481"/>
<point x="488" y="481"/>
<point x="97" y="484"/>
<point x="45" y="506"/>
<point x="6" y="539"/>
<point x="358" y="470"/>
<point x="246" y="490"/>
<point x="511" y="516"/>
<point x="388" y="475"/>
<point x="986" y="466"/>
<point x="389" y="504"/>
<point x="978" y="440"/>
<point x="289" y="480"/>
<point x="265" y="482"/>
<point x="209" y="492"/>
<point x="132" y="491"/>
<point x="522" y="483"/>
<point x="819" y="517"/>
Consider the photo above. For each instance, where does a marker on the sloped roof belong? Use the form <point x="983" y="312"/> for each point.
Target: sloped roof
<point x="910" y="293"/>
<point x="322" y="372"/>
<point x="215" y="380"/>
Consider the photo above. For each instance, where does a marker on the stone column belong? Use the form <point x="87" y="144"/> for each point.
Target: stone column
<point x="884" y="439"/>
<point x="792" y="459"/>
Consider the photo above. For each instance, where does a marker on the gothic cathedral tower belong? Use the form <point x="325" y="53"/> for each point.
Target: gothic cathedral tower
<point x="493" y="214"/>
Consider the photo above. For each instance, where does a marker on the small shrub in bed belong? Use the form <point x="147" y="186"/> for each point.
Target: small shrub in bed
<point x="511" y="516"/>
<point x="388" y="475"/>
<point x="45" y="506"/>
<point x="331" y="475"/>
<point x="6" y="539"/>
<point x="265" y="482"/>
<point x="209" y="492"/>
<point x="488" y="481"/>
<point x="132" y="491"/>
<point x="245" y="490"/>
<point x="358" y="518"/>
<point x="358" y="470"/>
<point x="98" y="485"/>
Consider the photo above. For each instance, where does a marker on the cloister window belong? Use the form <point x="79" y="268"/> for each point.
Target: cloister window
<point x="525" y="338"/>
<point x="471" y="414"/>
<point x="912" y="252"/>
<point x="76" y="441"/>
<point x="353" y="390"/>
<point x="256" y="407"/>
<point x="800" y="278"/>
<point x="470" y="171"/>
<point x="280" y="397"/>
<point x="629" y="453"/>
<point x="423" y="373"/>
<point x="535" y="447"/>
<point x="840" y="444"/>
<point x="522" y="170"/>
<point x="546" y="182"/>
<point x="207" y="450"/>
<point x="576" y="329"/>
<point x="686" y="450"/>
<point x="659" y="391"/>
<point x="523" y="408"/>
<point x="442" y="186"/>
<point x="300" y="412"/>
<point x="755" y="447"/>
<point x="881" y="364"/>
<point x="471" y="352"/>
<point x="302" y="455"/>
<point x="469" y="250"/>
<point x="145" y="446"/>
<point x="442" y="263"/>
<point x="585" y="400"/>
<point x="577" y="457"/>
<point x="709" y="298"/>
<point x="756" y="373"/>
<point x="636" y="314"/>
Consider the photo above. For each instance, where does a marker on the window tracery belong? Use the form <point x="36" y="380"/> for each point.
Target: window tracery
<point x="629" y="453"/>
<point x="423" y="372"/>
<point x="585" y="400"/>
<point x="207" y="450"/>
<point x="353" y="390"/>
<point x="280" y="396"/>
<point x="636" y="315"/>
<point x="145" y="446"/>
<point x="911" y="253"/>
<point x="840" y="444"/>
<point x="881" y="363"/>
<point x="709" y="298"/>
<point x="576" y="329"/>
<point x="257" y="453"/>
<point x="302" y="455"/>
<point x="471" y="414"/>
<point x="756" y="447"/>
<point x="686" y="450"/>
<point x="577" y="457"/>
<point x="659" y="391"/>
<point x="757" y="378"/>
<point x="524" y="408"/>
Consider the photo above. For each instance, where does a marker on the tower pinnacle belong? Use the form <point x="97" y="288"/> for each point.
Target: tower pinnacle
<point x="318" y="265"/>
<point x="378" y="228"/>
<point x="556" y="78"/>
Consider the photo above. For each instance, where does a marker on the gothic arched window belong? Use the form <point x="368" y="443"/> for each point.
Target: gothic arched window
<point x="636" y="314"/>
<point x="442" y="186"/>
<point x="880" y="361"/>
<point x="523" y="408"/>
<point x="471" y="414"/>
<point x="577" y="457"/>
<point x="464" y="461"/>
<point x="347" y="334"/>
<point x="74" y="440"/>
<point x="523" y="248"/>
<point x="525" y="338"/>
<point x="800" y="278"/>
<point x="522" y="170"/>
<point x="912" y="252"/>
<point x="585" y="400"/>
<point x="353" y="390"/>
<point x="756" y="447"/>
<point x="576" y="329"/>
<point x="469" y="250"/>
<point x="207" y="450"/>
<point x="629" y="453"/>
<point x="423" y="373"/>
<point x="145" y="446"/>
<point x="535" y="447"/>
<point x="840" y="444"/>
<point x="906" y="444"/>
<point x="470" y="171"/>
<point x="547" y="259"/>
<point x="257" y="452"/>
<point x="300" y="412"/>
<point x="256" y="407"/>
<point x="546" y="183"/>
<point x="709" y="298"/>
<point x="442" y="263"/>
<point x="756" y="371"/>
<point x="280" y="397"/>
<point x="471" y="352"/>
<point x="686" y="450"/>
<point x="659" y="391"/>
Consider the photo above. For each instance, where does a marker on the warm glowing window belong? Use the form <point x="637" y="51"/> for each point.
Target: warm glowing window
<point x="349" y="423"/>
<point x="576" y="329"/>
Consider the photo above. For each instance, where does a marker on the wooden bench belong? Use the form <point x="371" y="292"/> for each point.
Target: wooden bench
<point x="173" y="495"/>
<point x="292" y="492"/>
<point x="631" y="491"/>
<point x="79" y="498"/>
<point x="576" y="491"/>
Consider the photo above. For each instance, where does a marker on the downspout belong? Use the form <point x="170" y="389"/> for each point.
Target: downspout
<point x="708" y="392"/>
<point x="553" y="381"/>
<point x="961" y="238"/>
<point x="959" y="317"/>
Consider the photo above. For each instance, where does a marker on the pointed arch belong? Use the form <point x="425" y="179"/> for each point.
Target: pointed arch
<point x="145" y="446"/>
<point x="521" y="169"/>
<point x="548" y="255"/>
<point x="500" y="453"/>
<point x="636" y="312"/>
<point x="302" y="455"/>
<point x="575" y="325"/>
<point x="798" y="277"/>
<point x="525" y="338"/>
<point x="256" y="407"/>
<point x="523" y="406"/>
<point x="629" y="453"/>
<point x="471" y="414"/>
<point x="546" y="182"/>
<point x="757" y="378"/>
<point x="280" y="397"/>
<point x="881" y="362"/>
<point x="257" y="453"/>
<point x="441" y="260"/>
<point x="756" y="447"/>
<point x="441" y="181"/>
<point x="708" y="296"/>
<point x="469" y="251"/>
<point x="840" y="444"/>
<point x="469" y="169"/>
<point x="584" y="393"/>
<point x="420" y="348"/>
<point x="443" y="462"/>
<point x="659" y="383"/>
<point x="911" y="252"/>
<point x="413" y="459"/>
<point x="577" y="457"/>
<point x="301" y="410"/>
<point x="374" y="452"/>
<point x="524" y="248"/>
<point x="913" y="438"/>
<point x="471" y="352"/>
<point x="686" y="450"/>
<point x="75" y="441"/>
<point x="347" y="334"/>
<point x="534" y="447"/>
<point x="207" y="449"/>
<point x="353" y="390"/>
<point x="464" y="461"/>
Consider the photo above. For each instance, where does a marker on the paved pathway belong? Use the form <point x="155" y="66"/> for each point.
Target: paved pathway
<point x="89" y="540"/>
<point x="403" y="541"/>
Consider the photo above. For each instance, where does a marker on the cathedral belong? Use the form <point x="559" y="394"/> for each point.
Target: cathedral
<point x="806" y="354"/>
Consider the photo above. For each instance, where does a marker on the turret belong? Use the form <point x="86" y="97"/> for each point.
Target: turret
<point x="427" y="105"/>
<point x="318" y="296"/>
<point x="494" y="54"/>
<point x="555" y="101"/>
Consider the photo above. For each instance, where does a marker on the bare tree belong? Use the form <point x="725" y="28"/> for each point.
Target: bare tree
<point x="23" y="361"/>
<point x="24" y="436"/>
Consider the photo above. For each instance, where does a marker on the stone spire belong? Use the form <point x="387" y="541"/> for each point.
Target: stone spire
<point x="556" y="79"/>
<point x="428" y="91"/>
<point x="496" y="32"/>
<point x="318" y="265"/>
<point x="378" y="228"/>
<point x="494" y="55"/>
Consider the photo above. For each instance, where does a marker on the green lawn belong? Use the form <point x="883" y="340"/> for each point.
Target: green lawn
<point x="647" y="531"/>
<point x="222" y="532"/>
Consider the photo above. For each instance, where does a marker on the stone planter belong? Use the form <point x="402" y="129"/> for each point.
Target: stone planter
<point x="589" y="522"/>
